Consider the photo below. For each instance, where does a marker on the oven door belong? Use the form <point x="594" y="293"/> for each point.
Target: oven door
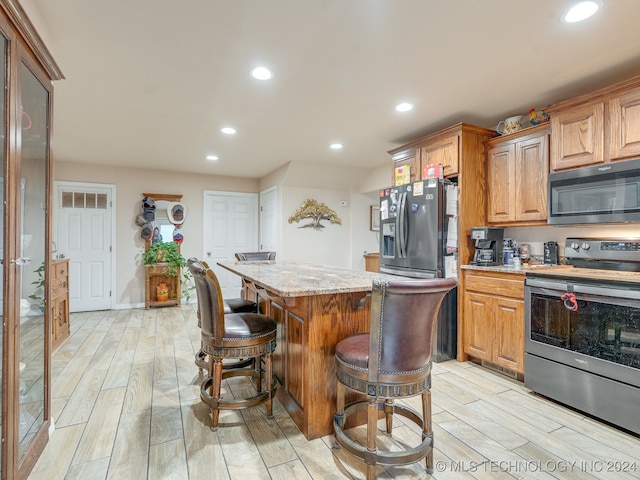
<point x="594" y="328"/>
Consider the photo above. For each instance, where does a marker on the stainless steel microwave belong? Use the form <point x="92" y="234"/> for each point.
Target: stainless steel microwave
<point x="603" y="194"/>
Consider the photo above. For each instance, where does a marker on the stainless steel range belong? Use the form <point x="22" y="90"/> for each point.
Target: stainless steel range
<point x="582" y="342"/>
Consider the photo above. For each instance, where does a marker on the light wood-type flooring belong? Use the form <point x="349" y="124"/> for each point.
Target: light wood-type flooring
<point x="126" y="406"/>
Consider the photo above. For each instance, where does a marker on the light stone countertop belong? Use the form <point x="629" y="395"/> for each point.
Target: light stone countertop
<point x="293" y="279"/>
<point x="564" y="272"/>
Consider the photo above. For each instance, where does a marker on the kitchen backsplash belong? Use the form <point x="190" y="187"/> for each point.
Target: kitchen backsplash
<point x="537" y="236"/>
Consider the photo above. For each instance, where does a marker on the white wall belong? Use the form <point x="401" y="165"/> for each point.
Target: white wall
<point x="341" y="245"/>
<point x="130" y="184"/>
<point x="330" y="245"/>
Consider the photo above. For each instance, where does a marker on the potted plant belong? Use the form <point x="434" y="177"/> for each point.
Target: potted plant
<point x="168" y="253"/>
<point x="165" y="252"/>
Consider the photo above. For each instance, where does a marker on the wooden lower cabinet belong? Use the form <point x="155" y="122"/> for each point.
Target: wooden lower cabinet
<point x="59" y="303"/>
<point x="154" y="276"/>
<point x="493" y="316"/>
<point x="372" y="262"/>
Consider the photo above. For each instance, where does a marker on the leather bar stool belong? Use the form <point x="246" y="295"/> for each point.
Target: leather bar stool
<point x="231" y="305"/>
<point x="233" y="336"/>
<point x="392" y="361"/>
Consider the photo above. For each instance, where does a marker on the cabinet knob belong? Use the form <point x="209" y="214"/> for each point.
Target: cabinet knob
<point x="64" y="284"/>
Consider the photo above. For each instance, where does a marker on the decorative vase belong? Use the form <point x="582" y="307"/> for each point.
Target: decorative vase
<point x="162" y="292"/>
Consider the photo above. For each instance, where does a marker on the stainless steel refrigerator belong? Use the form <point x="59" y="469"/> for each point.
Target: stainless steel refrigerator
<point x="417" y="239"/>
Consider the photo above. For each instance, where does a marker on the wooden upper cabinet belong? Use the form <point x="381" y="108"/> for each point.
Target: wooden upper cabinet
<point x="445" y="151"/>
<point x="410" y="157"/>
<point x="596" y="128"/>
<point x="501" y="177"/>
<point x="624" y="115"/>
<point x="517" y="169"/>
<point x="577" y="137"/>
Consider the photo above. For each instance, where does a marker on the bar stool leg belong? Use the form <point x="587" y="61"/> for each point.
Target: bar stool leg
<point x="372" y="430"/>
<point x="388" y="414"/>
<point x="269" y="383"/>
<point x="215" y="392"/>
<point x="427" y="428"/>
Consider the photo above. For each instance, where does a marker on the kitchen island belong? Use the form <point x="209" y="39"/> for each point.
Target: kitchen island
<point x="315" y="306"/>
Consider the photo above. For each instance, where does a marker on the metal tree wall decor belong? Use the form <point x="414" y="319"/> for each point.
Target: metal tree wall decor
<point x="316" y="212"/>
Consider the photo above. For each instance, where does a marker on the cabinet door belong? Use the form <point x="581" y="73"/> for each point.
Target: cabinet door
<point x="532" y="168"/>
<point x="408" y="158"/>
<point x="445" y="151"/>
<point x="509" y="334"/>
<point x="478" y="325"/>
<point x="501" y="185"/>
<point x="295" y="358"/>
<point x="279" y="356"/>
<point x="624" y="112"/>
<point x="577" y="137"/>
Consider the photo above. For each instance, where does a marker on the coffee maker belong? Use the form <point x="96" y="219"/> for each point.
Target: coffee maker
<point x="488" y="246"/>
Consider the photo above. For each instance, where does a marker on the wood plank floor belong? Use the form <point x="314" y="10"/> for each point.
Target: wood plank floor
<point x="126" y="406"/>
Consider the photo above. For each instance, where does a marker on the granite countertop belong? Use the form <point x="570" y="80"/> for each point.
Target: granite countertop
<point x="293" y="279"/>
<point x="564" y="272"/>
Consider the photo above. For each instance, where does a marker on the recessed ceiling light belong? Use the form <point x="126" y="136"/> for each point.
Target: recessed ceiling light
<point x="212" y="157"/>
<point x="404" y="107"/>
<point x="335" y="146"/>
<point x="581" y="11"/>
<point x="228" y="130"/>
<point x="261" y="73"/>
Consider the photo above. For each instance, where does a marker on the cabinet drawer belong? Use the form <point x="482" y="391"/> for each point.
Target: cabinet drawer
<point x="497" y="286"/>
<point x="157" y="269"/>
<point x="60" y="269"/>
<point x="59" y="287"/>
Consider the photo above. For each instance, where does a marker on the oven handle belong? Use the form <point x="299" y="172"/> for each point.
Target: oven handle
<point x="568" y="286"/>
<point x="569" y="301"/>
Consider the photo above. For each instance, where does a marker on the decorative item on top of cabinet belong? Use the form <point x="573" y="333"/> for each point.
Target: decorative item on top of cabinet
<point x="59" y="302"/>
<point x="517" y="169"/>
<point x="493" y="318"/>
<point x="599" y="127"/>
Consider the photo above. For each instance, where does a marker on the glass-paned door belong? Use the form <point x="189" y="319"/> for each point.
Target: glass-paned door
<point x="33" y="117"/>
<point x="3" y="192"/>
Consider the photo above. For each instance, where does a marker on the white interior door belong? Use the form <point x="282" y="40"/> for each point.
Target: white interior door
<point x="268" y="220"/>
<point x="84" y="235"/>
<point x="230" y="223"/>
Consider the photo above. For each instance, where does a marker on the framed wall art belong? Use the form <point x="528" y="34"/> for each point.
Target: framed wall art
<point x="374" y="223"/>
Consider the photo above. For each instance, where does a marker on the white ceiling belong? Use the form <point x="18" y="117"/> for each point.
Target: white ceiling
<point x="149" y="83"/>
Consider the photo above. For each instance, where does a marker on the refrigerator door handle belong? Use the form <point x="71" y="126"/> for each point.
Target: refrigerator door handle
<point x="403" y="224"/>
<point x="398" y="230"/>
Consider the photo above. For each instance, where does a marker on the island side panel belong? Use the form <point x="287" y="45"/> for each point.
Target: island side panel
<point x="331" y="318"/>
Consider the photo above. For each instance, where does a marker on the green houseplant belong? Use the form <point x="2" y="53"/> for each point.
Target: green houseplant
<point x="169" y="253"/>
<point x="165" y="252"/>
